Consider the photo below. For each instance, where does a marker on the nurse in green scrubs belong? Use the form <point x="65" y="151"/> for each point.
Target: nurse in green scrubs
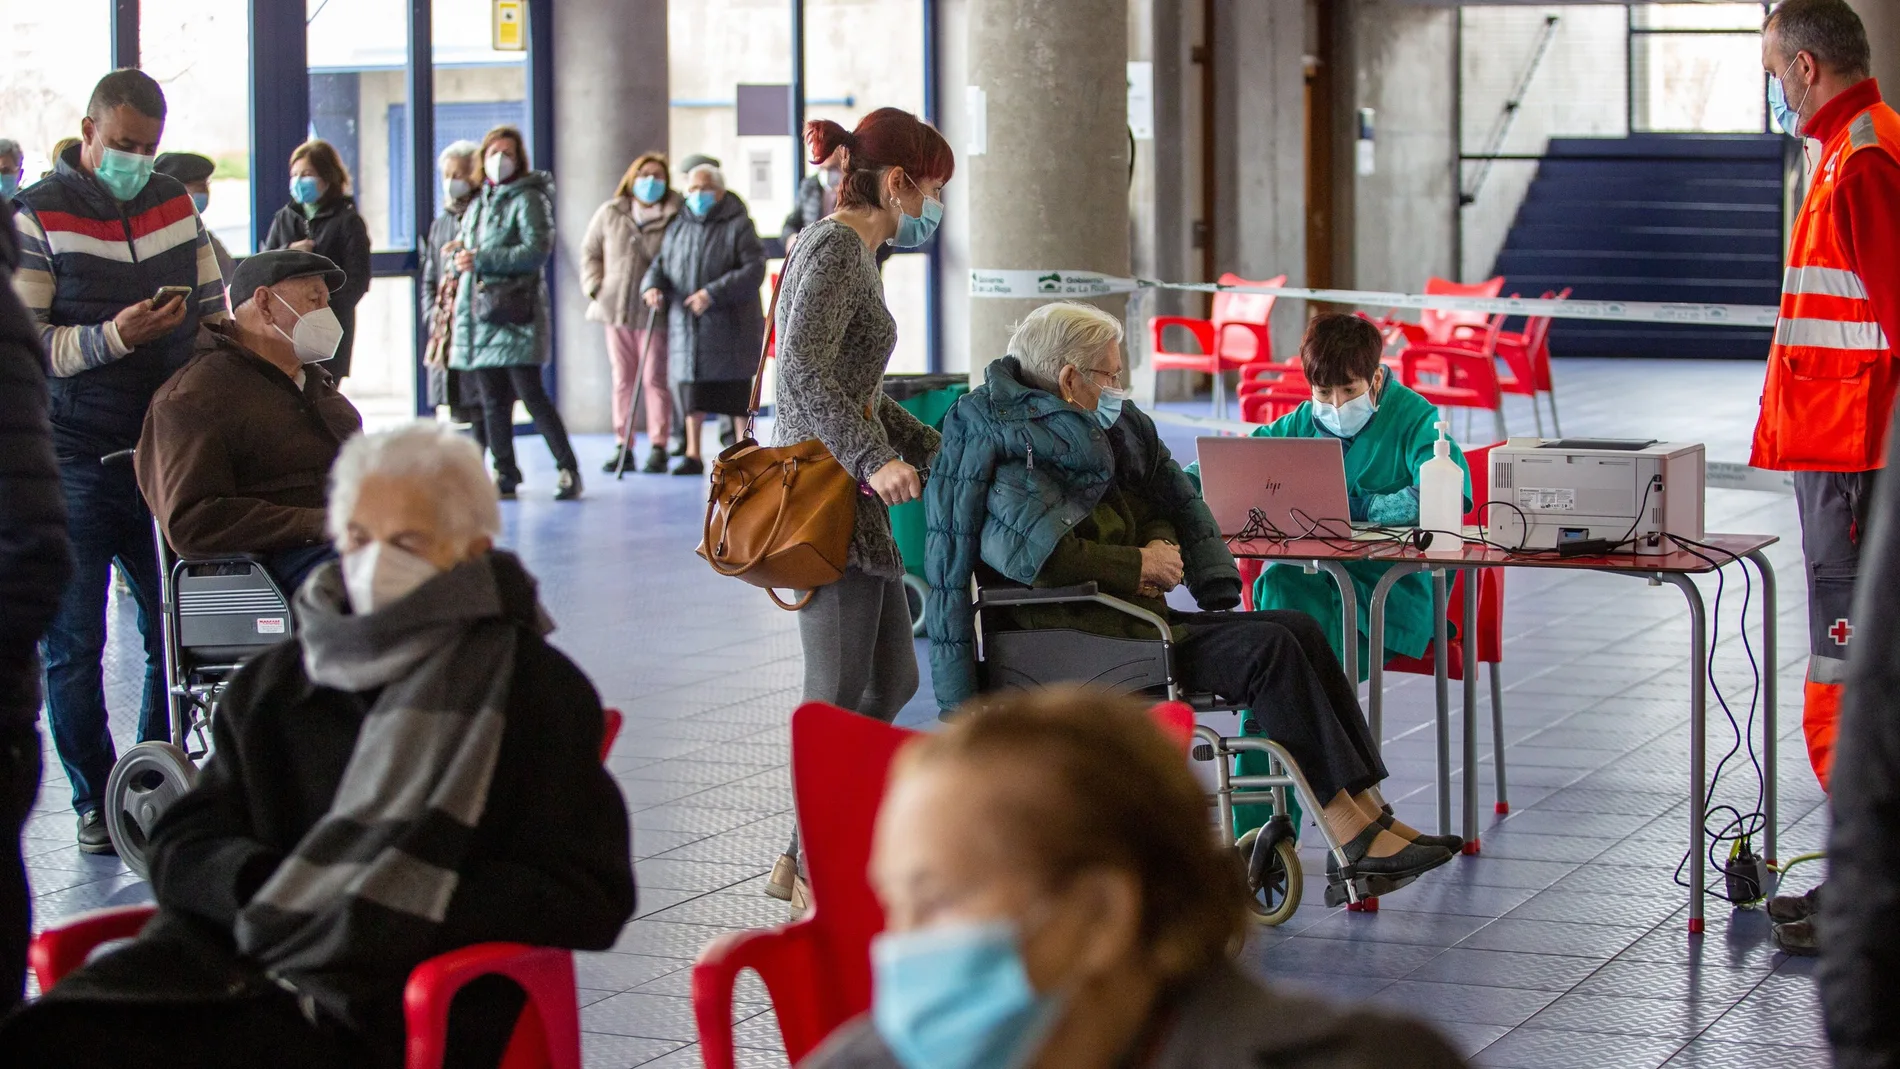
<point x="1387" y="433"/>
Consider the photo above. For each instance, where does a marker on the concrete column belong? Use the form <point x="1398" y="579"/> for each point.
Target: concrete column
<point x="1260" y="150"/>
<point x="1404" y="215"/>
<point x="1052" y="189"/>
<point x="1164" y="196"/>
<point x="1882" y="18"/>
<point x="610" y="105"/>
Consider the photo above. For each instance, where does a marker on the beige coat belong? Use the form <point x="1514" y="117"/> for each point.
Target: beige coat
<point x="615" y="256"/>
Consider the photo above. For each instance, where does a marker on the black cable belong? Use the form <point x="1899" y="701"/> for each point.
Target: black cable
<point x="1741" y="827"/>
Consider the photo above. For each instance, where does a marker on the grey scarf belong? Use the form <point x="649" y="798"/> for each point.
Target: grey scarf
<point x="367" y="887"/>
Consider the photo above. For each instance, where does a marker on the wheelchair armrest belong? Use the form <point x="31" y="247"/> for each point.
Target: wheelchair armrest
<point x="1062" y="595"/>
<point x="1030" y="595"/>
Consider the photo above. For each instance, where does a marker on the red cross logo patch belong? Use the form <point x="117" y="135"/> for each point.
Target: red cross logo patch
<point x="1841" y="631"/>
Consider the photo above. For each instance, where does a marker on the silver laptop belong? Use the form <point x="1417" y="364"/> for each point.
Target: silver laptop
<point x="1297" y="486"/>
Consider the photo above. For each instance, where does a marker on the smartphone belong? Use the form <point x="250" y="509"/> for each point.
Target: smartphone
<point x="166" y="293"/>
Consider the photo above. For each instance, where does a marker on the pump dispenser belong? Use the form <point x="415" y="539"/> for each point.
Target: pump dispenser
<point x="1441" y="491"/>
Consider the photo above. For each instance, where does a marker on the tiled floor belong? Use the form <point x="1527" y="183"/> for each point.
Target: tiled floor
<point x="1564" y="944"/>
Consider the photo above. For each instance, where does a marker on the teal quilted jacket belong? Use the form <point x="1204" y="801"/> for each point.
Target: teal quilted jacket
<point x="1019" y="468"/>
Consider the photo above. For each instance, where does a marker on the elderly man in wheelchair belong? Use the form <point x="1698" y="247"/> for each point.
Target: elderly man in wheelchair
<point x="1059" y="498"/>
<point x="416" y="771"/>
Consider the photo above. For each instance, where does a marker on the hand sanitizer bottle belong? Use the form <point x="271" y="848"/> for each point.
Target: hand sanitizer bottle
<point x="1441" y="493"/>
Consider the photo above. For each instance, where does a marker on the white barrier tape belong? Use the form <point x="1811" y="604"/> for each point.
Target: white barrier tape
<point x="1720" y="475"/>
<point x="1031" y="284"/>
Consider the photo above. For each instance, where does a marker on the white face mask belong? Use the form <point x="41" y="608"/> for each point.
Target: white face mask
<point x="316" y="335"/>
<point x="380" y="574"/>
<point x="456" y="188"/>
<point x="500" y="166"/>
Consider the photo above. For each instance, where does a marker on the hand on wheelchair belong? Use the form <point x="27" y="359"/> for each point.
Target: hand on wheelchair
<point x="1160" y="567"/>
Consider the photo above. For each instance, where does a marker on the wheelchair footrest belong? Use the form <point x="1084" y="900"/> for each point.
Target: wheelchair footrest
<point x="1365" y="887"/>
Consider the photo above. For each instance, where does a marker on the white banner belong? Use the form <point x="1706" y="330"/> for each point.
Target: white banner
<point x="1056" y="283"/>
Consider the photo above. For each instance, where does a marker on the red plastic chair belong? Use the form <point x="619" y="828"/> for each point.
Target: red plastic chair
<point x="1237" y="335"/>
<point x="1269" y="391"/>
<point x="1490" y="629"/>
<point x="1527" y="355"/>
<point x="1437" y="327"/>
<point x="546" y="1036"/>
<point x="1457" y="376"/>
<point x="818" y="970"/>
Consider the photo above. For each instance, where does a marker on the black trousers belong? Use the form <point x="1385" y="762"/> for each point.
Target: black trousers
<point x="1280" y="666"/>
<point x="263" y="1030"/>
<point x="500" y="387"/>
<point x="19" y="784"/>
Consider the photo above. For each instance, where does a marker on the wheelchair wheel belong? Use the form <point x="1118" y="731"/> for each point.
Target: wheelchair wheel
<point x="144" y="783"/>
<point x="915" y="591"/>
<point x="1275" y="898"/>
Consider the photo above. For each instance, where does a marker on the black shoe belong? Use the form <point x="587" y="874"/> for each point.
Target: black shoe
<point x="505" y="485"/>
<point x="656" y="461"/>
<point x="1453" y="843"/>
<point x="677" y="448"/>
<point x="1789" y="909"/>
<point x="93" y="836"/>
<point x="1416" y="859"/>
<point x="1801" y="939"/>
<point x="568" y="485"/>
<point x="689" y="466"/>
<point x="613" y="461"/>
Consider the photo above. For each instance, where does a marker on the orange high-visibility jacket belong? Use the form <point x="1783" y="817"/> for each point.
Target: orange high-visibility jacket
<point x="1831" y="372"/>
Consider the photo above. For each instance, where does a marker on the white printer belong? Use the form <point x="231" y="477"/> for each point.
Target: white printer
<point x="1578" y="489"/>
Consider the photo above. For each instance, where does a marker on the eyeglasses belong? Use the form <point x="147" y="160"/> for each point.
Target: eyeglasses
<point x="1114" y="379"/>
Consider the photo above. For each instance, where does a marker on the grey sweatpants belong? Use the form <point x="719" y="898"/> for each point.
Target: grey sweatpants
<point x="858" y="648"/>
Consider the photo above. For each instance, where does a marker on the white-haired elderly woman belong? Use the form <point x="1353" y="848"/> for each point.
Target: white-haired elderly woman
<point x="461" y="168"/>
<point x="1051" y="477"/>
<point x="382" y="788"/>
<point x="707" y="277"/>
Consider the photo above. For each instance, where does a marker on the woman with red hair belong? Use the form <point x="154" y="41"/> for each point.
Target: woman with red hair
<point x="835" y="337"/>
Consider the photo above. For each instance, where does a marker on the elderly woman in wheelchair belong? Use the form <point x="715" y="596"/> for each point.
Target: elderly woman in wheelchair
<point x="1049" y="480"/>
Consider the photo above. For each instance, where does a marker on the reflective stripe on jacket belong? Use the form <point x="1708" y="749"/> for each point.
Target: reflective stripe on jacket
<point x="1831" y="374"/>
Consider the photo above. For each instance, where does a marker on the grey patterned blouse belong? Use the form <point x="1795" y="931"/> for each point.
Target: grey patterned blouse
<point x="835" y="337"/>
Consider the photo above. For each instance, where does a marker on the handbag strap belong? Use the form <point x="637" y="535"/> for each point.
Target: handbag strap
<point x="765" y="347"/>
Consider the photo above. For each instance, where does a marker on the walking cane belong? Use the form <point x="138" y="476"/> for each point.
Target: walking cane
<point x="646" y="354"/>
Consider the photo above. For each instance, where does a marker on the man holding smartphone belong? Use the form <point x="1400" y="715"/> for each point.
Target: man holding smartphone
<point x="118" y="272"/>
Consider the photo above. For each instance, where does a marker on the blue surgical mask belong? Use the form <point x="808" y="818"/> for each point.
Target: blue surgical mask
<point x="1108" y="408"/>
<point x="1787" y="115"/>
<point x="957" y="996"/>
<point x="1346" y="420"/>
<point x="124" y="174"/>
<point x="9" y="185"/>
<point x="199" y="200"/>
<point x="913" y="230"/>
<point x="303" y="189"/>
<point x="648" y="190"/>
<point x="699" y="202"/>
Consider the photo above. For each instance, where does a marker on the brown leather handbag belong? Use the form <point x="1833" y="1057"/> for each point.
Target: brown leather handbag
<point x="779" y="517"/>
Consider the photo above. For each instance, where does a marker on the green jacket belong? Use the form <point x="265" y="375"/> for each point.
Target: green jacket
<point x="1019" y="471"/>
<point x="510" y="229"/>
<point x="1382" y="463"/>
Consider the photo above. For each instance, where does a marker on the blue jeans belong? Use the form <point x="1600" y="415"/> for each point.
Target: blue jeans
<point x="108" y="522"/>
<point x="290" y="567"/>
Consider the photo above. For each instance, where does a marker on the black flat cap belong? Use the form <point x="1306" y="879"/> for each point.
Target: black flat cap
<point x="270" y="268"/>
<point x="184" y="166"/>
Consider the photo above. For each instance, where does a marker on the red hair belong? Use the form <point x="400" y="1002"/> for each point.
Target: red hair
<point x="886" y="138"/>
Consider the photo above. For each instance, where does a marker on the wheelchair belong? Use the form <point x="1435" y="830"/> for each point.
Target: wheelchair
<point x="215" y="613"/>
<point x="1026" y="659"/>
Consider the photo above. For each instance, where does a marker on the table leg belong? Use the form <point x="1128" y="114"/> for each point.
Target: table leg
<point x="1442" y="680"/>
<point x="1470" y="641"/>
<point x="1770" y="687"/>
<point x="1698" y="741"/>
<point x="1375" y="648"/>
<point x="1349" y="619"/>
